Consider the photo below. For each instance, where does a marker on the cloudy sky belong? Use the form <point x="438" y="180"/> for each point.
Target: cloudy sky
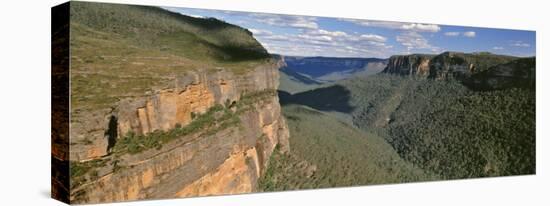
<point x="320" y="36"/>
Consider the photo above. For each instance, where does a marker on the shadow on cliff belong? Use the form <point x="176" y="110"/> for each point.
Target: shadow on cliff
<point x="333" y="98"/>
<point x="111" y="133"/>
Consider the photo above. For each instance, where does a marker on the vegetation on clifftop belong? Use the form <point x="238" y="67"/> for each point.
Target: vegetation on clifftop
<point x="120" y="51"/>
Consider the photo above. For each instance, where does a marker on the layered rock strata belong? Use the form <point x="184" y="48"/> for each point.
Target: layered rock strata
<point x="228" y="161"/>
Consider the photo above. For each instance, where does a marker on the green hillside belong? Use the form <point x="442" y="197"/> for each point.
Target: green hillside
<point x="125" y="50"/>
<point x="469" y="135"/>
<point x="445" y="128"/>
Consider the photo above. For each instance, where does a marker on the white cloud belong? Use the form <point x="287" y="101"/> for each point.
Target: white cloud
<point x="470" y="34"/>
<point x="196" y="16"/>
<point x="332" y="50"/>
<point x="415" y="41"/>
<point x="381" y="24"/>
<point x="416" y="27"/>
<point x="379" y="44"/>
<point x="421" y="27"/>
<point x="300" y="22"/>
<point x="519" y="44"/>
<point x="329" y="33"/>
<point x="260" y="32"/>
<point x="498" y="48"/>
<point x="522" y="45"/>
<point x="373" y="37"/>
<point x="315" y="37"/>
<point x="326" y="43"/>
<point x="275" y="37"/>
<point x="452" y="33"/>
<point x="410" y="35"/>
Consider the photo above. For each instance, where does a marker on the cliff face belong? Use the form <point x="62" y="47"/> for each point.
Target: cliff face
<point x="414" y="65"/>
<point x="183" y="108"/>
<point x="446" y="65"/>
<point x="227" y="161"/>
<point x="449" y="64"/>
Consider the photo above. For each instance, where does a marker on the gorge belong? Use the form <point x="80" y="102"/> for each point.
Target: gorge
<point x="159" y="104"/>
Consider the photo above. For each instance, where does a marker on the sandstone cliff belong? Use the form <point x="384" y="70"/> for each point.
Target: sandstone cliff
<point x="186" y="107"/>
<point x="446" y="65"/>
<point x="414" y="65"/>
<point x="227" y="161"/>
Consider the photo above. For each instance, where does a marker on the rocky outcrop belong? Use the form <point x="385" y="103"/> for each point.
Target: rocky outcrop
<point x="192" y="94"/>
<point x="411" y="65"/>
<point x="447" y="65"/>
<point x="453" y="65"/>
<point x="88" y="138"/>
<point x="228" y="161"/>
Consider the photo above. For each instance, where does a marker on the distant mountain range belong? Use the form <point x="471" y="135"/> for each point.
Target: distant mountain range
<point x="300" y="74"/>
<point x="329" y="69"/>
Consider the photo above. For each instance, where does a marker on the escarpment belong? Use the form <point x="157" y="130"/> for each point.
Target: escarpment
<point x="415" y="65"/>
<point x="226" y="156"/>
<point x="184" y="108"/>
<point x="447" y="65"/>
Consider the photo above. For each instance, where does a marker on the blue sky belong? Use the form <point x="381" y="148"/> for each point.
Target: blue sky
<point x="338" y="37"/>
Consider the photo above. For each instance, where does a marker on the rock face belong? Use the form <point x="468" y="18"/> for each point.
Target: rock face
<point x="446" y="65"/>
<point x="88" y="138"/>
<point x="228" y="161"/>
<point x="413" y="65"/>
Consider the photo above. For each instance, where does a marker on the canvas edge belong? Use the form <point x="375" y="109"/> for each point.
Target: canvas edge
<point x="60" y="94"/>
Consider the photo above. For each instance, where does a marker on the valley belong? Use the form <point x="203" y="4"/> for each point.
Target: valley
<point x="432" y="117"/>
<point x="299" y="74"/>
